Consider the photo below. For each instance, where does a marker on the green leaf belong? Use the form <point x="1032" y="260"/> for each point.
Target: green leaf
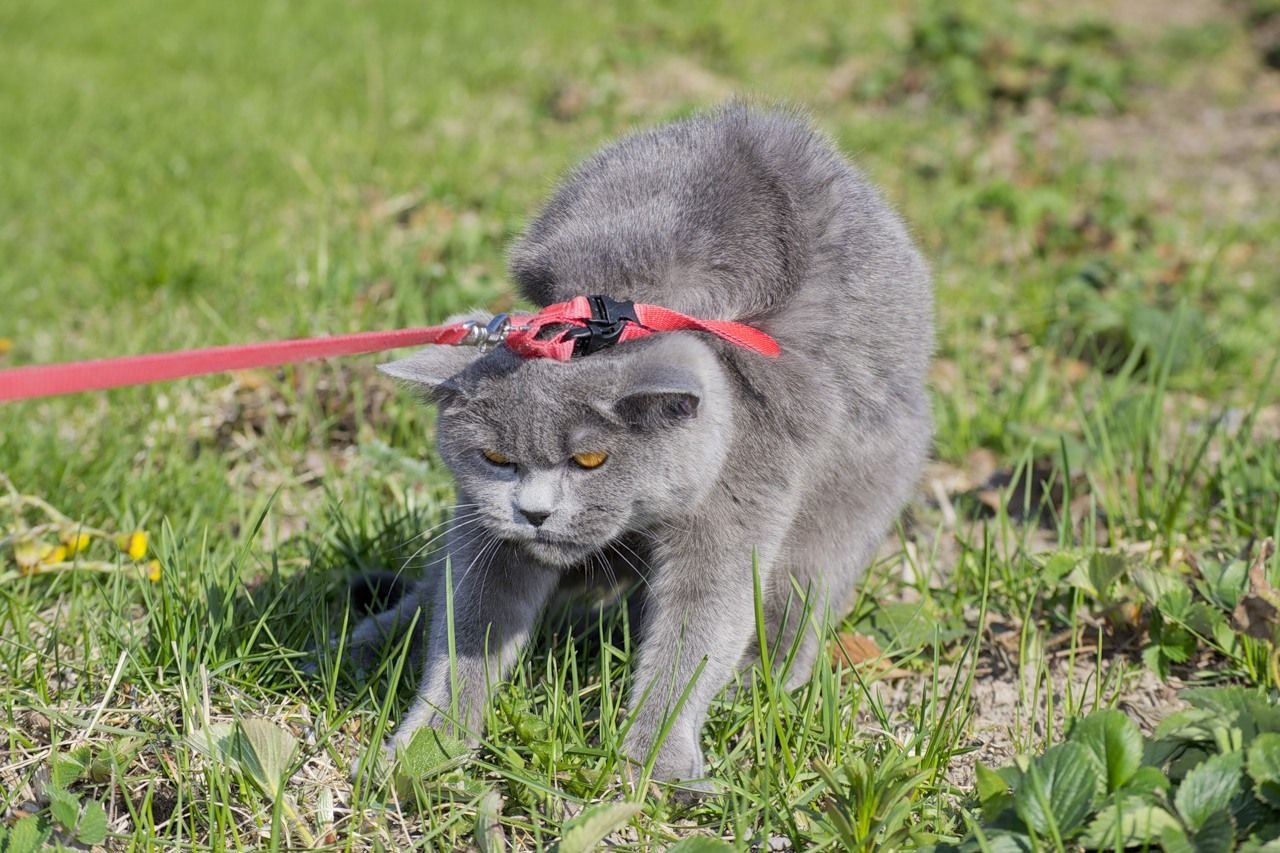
<point x="1115" y="743"/>
<point x="1177" y="644"/>
<point x="1131" y="822"/>
<point x="265" y="752"/>
<point x="1059" y="565"/>
<point x="1002" y="842"/>
<point x="68" y="768"/>
<point x="1209" y="788"/>
<point x="1174" y="840"/>
<point x="990" y="783"/>
<point x="1246" y="707"/>
<point x="1263" y="762"/>
<point x="26" y="836"/>
<point x="588" y="829"/>
<point x="1058" y="790"/>
<point x="64" y="808"/>
<point x="902" y="625"/>
<point x="429" y="752"/>
<point x="994" y="791"/>
<point x="701" y="844"/>
<point x="93" y="824"/>
<point x="1104" y="569"/>
<point x="1217" y="835"/>
<point x="1148" y="780"/>
<point x="258" y="749"/>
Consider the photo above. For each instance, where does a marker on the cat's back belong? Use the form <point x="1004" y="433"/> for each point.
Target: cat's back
<point x="738" y="214"/>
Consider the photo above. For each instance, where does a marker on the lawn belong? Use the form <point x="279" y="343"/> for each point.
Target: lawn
<point x="1094" y="185"/>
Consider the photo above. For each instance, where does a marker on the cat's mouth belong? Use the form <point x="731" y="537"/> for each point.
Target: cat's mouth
<point x="553" y="549"/>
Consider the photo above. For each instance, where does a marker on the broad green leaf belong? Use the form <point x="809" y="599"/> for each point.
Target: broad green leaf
<point x="64" y="808"/>
<point x="1190" y="723"/>
<point x="215" y="742"/>
<point x="259" y="749"/>
<point x="1060" y="564"/>
<point x="1115" y="743"/>
<point x="1177" y="644"/>
<point x="265" y="752"/>
<point x="1175" y="602"/>
<point x="26" y="836"/>
<point x="1263" y="761"/>
<point x="1128" y="823"/>
<point x="115" y="756"/>
<point x="1217" y="835"/>
<point x="901" y="625"/>
<point x="995" y="792"/>
<point x="1104" y="568"/>
<point x="1174" y="840"/>
<point x="1001" y="842"/>
<point x="1248" y="708"/>
<point x="990" y="783"/>
<point x="1147" y="780"/>
<point x="92" y="828"/>
<point x="588" y="829"/>
<point x="1154" y="585"/>
<point x="1058" y="789"/>
<point x="70" y="767"/>
<point x="1209" y="788"/>
<point x="429" y="752"/>
<point x="701" y="844"/>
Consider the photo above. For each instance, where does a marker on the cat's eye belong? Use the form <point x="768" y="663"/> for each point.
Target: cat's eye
<point x="590" y="459"/>
<point x="496" y="458"/>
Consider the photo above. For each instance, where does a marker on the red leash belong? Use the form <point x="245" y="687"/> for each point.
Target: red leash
<point x="589" y="325"/>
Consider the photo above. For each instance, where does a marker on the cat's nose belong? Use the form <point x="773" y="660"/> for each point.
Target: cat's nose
<point x="533" y="517"/>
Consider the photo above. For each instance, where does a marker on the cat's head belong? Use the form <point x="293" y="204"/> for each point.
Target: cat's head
<point x="564" y="457"/>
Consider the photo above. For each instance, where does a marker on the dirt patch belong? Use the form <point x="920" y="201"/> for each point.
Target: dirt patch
<point x="1021" y="709"/>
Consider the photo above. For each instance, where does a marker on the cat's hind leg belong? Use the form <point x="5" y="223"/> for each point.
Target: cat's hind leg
<point x="835" y="537"/>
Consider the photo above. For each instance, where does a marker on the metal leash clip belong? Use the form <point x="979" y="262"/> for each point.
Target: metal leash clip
<point x="486" y="335"/>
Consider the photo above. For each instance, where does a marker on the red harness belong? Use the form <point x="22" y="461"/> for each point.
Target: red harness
<point x="581" y="326"/>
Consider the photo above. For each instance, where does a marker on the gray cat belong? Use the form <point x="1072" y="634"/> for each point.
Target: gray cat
<point x="680" y="457"/>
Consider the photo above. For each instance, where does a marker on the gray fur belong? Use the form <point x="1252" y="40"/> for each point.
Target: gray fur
<point x="714" y="452"/>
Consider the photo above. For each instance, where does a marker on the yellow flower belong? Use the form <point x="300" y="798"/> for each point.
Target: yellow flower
<point x="27" y="553"/>
<point x="31" y="554"/>
<point x="153" y="571"/>
<point x="75" y="542"/>
<point x="5" y="346"/>
<point x="134" y="544"/>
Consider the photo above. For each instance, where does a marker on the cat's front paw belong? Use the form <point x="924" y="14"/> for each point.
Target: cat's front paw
<point x="679" y="758"/>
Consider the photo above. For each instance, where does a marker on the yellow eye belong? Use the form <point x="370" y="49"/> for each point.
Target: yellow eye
<point x="590" y="459"/>
<point x="496" y="458"/>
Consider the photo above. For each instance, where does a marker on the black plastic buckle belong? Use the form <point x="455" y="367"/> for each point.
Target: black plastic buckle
<point x="608" y="318"/>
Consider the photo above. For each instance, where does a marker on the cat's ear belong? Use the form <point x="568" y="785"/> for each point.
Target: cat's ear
<point x="659" y="397"/>
<point x="433" y="369"/>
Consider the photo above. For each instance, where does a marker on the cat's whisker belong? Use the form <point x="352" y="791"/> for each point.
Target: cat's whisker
<point x="639" y="570"/>
<point x="457" y="525"/>
<point x="490" y="543"/>
<point x="470" y="522"/>
<point x="492" y="547"/>
<point x="472" y="511"/>
<point x="487" y="551"/>
<point x="605" y="568"/>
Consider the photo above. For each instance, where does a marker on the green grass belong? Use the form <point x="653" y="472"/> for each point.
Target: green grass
<point x="196" y="174"/>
